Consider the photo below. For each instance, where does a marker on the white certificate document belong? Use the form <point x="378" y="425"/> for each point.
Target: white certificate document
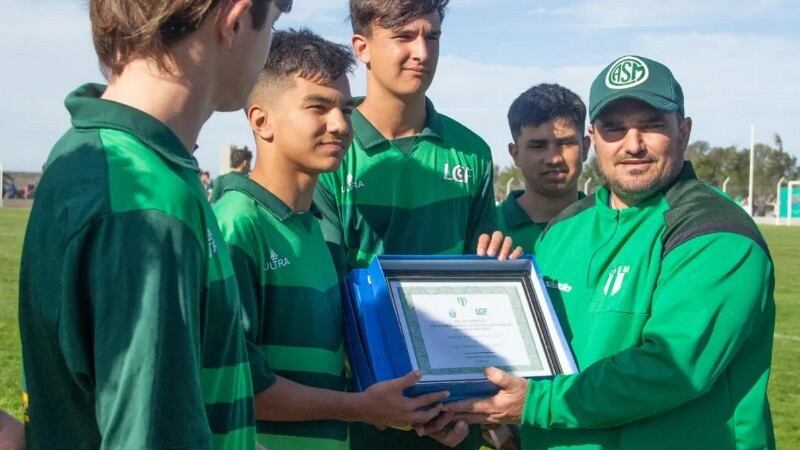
<point x="454" y="329"/>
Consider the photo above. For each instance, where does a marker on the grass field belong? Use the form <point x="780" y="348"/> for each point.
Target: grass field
<point x="784" y="243"/>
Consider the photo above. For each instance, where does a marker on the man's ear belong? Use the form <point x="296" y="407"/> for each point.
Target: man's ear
<point x="360" y="47"/>
<point x="587" y="144"/>
<point x="513" y="150"/>
<point x="685" y="128"/>
<point x="230" y="20"/>
<point x="258" y="117"/>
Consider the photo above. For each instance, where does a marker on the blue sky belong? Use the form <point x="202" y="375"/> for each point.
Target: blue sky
<point x="738" y="63"/>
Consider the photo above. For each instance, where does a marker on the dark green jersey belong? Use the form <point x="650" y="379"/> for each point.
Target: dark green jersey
<point x="223" y="182"/>
<point x="130" y="319"/>
<point x="669" y="309"/>
<point x="513" y="221"/>
<point x="428" y="194"/>
<point x="434" y="196"/>
<point x="290" y="292"/>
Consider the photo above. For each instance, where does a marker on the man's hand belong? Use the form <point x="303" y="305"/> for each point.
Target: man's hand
<point x="443" y="430"/>
<point x="12" y="433"/>
<point x="383" y="404"/>
<point x="497" y="245"/>
<point x="504" y="407"/>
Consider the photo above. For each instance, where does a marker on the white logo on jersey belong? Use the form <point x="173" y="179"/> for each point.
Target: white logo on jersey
<point x="351" y="184"/>
<point x="459" y="173"/>
<point x="276" y="262"/>
<point x="212" y="244"/>
<point x="564" y="287"/>
<point x="615" y="279"/>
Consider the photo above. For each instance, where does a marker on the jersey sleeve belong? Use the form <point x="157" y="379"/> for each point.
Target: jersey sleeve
<point x="482" y="215"/>
<point x="714" y="292"/>
<point x="330" y="222"/>
<point x="136" y="335"/>
<point x="239" y="233"/>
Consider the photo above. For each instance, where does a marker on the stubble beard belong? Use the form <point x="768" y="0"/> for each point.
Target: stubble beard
<point x="638" y="190"/>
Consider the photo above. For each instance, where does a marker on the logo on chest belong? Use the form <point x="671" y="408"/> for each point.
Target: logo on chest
<point x="351" y="184"/>
<point x="615" y="280"/>
<point x="276" y="262"/>
<point x="458" y="173"/>
<point x="553" y="284"/>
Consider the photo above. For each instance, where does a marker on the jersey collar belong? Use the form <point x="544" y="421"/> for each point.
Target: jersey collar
<point x="513" y="214"/>
<point x="89" y="111"/>
<point x="369" y="137"/>
<point x="267" y="199"/>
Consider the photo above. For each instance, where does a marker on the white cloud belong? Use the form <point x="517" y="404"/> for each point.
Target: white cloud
<point x="478" y="95"/>
<point x="653" y="14"/>
<point x="315" y="12"/>
<point x="730" y="82"/>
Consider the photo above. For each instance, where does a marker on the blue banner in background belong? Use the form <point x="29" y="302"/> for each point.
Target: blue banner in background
<point x="795" y="202"/>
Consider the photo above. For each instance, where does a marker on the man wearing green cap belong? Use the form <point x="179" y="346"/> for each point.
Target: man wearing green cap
<point x="664" y="288"/>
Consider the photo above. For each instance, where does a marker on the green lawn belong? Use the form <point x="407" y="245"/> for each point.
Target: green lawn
<point x="784" y="392"/>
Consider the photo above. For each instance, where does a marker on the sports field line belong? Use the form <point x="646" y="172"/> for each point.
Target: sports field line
<point x="787" y="337"/>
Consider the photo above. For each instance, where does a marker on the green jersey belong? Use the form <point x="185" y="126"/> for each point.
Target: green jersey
<point x="222" y="182"/>
<point x="668" y="306"/>
<point x="130" y="319"/>
<point x="429" y="194"/>
<point x="513" y="221"/>
<point x="290" y="292"/>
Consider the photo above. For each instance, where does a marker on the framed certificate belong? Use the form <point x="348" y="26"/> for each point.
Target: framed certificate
<point x="450" y="318"/>
<point x="455" y="327"/>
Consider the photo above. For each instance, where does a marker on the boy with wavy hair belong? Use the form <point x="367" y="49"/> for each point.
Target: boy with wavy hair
<point x="129" y="312"/>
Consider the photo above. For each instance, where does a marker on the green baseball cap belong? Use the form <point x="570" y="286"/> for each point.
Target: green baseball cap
<point x="637" y="78"/>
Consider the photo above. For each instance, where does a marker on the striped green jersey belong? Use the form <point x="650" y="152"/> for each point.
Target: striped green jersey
<point x="130" y="319"/>
<point x="429" y="194"/>
<point x="290" y="292"/>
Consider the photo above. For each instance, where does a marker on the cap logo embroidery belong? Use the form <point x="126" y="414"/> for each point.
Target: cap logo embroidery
<point x="627" y="72"/>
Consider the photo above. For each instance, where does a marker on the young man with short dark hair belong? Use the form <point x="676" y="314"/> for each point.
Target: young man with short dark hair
<point x="241" y="159"/>
<point x="299" y="112"/>
<point x="129" y="313"/>
<point x="414" y="181"/>
<point x="547" y="124"/>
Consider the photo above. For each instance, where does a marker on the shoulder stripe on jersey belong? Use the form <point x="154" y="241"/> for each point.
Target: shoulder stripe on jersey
<point x="696" y="209"/>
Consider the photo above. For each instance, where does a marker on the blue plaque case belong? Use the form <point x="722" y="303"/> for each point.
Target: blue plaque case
<point x="375" y="343"/>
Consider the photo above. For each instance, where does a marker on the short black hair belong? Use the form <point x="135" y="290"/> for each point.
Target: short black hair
<point x="543" y="103"/>
<point x="305" y="54"/>
<point x="240" y="155"/>
<point x="391" y="13"/>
